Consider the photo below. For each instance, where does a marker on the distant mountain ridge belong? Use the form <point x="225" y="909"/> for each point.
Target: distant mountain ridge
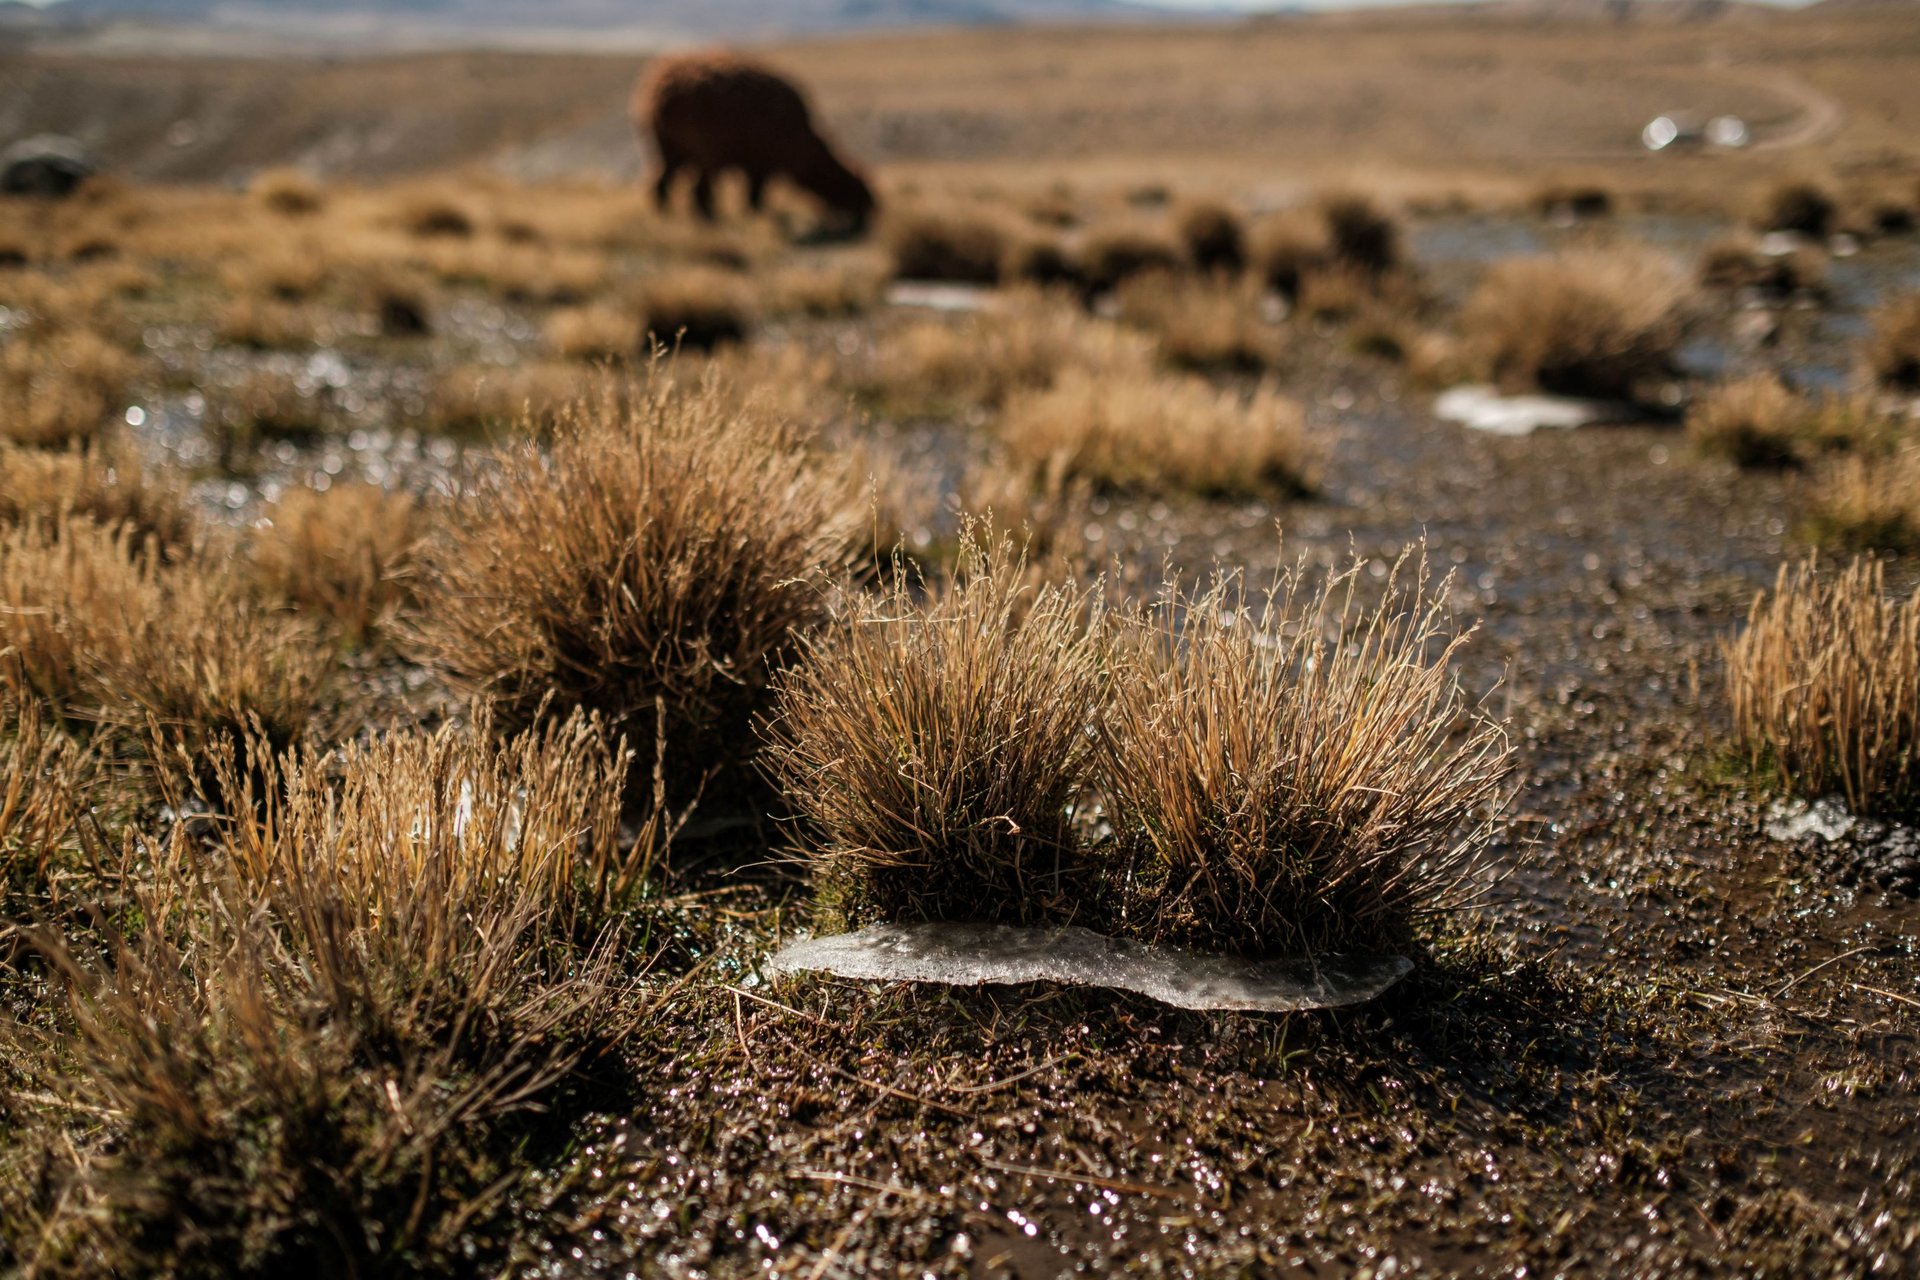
<point x="683" y="15"/>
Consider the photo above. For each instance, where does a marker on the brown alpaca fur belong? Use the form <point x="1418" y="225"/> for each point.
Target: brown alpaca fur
<point x="710" y="112"/>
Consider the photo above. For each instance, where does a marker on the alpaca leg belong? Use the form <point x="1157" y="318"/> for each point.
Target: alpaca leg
<point x="756" y="190"/>
<point x="663" y="187"/>
<point x="703" y="195"/>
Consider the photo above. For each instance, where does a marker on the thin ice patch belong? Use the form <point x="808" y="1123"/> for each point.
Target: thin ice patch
<point x="1484" y="409"/>
<point x="969" y="955"/>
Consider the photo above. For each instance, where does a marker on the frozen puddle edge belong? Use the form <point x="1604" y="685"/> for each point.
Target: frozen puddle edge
<point x="969" y="955"/>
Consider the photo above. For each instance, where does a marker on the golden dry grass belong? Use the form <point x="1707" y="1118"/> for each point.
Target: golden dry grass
<point x="1201" y="323"/>
<point x="1213" y="235"/>
<point x="1869" y="502"/>
<point x="1298" y="772"/>
<point x="1825" y="686"/>
<point x="1892" y="354"/>
<point x="1136" y="429"/>
<point x="654" y="564"/>
<point x="933" y="366"/>
<point x="957" y="242"/>
<point x="105" y="483"/>
<point x="599" y="332"/>
<point x="1756" y="421"/>
<point x="1115" y="252"/>
<point x="60" y="388"/>
<point x="696" y="307"/>
<point x="360" y="993"/>
<point x="1739" y="262"/>
<point x="485" y="401"/>
<point x="1796" y="205"/>
<point x="338" y="554"/>
<point x="1587" y="322"/>
<point x="937" y="749"/>
<point x="288" y="192"/>
<point x="169" y="658"/>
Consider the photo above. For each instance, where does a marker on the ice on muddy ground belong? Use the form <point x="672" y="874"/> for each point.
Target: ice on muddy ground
<point x="1485" y="409"/>
<point x="978" y="954"/>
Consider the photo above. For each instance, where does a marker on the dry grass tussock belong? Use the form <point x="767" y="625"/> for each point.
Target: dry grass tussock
<point x="1116" y="252"/>
<point x="843" y="289"/>
<point x="1738" y="262"/>
<point x="61" y="387"/>
<point x="1757" y="421"/>
<point x="1892" y="354"/>
<point x="484" y="400"/>
<point x="1587" y="322"/>
<point x="49" y="782"/>
<point x="600" y="332"/>
<point x="1299" y="772"/>
<point x="323" y="1044"/>
<point x="657" y="561"/>
<point x="1138" y="429"/>
<point x="966" y="244"/>
<point x="1801" y="206"/>
<point x="1869" y="502"/>
<point x="105" y="483"/>
<point x="1201" y="323"/>
<point x="1213" y="235"/>
<point x="936" y="749"/>
<point x="1825" y="687"/>
<point x="696" y="307"/>
<point x="338" y="554"/>
<point x="288" y="192"/>
<point x="161" y="657"/>
<point x="935" y="367"/>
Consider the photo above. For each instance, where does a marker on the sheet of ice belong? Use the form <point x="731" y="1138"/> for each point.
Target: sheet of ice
<point x="1794" y="820"/>
<point x="972" y="954"/>
<point x="938" y="295"/>
<point x="1485" y="409"/>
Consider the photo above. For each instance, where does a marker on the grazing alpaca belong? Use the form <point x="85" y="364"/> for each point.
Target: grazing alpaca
<point x="710" y="112"/>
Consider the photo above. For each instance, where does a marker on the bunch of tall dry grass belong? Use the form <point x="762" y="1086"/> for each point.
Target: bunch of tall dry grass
<point x="1213" y="237"/>
<point x="961" y="244"/>
<point x="1869" y="502"/>
<point x="49" y="783"/>
<point x="601" y="332"/>
<point x="483" y="400"/>
<point x="1892" y="353"/>
<point x="937" y="749"/>
<point x="1754" y="422"/>
<point x="1117" y="252"/>
<point x="1361" y="236"/>
<point x="696" y="307"/>
<point x="60" y="387"/>
<point x="1200" y="323"/>
<point x="1739" y="262"/>
<point x="1136" y="428"/>
<point x="287" y="192"/>
<point x="104" y="483"/>
<point x="659" y="557"/>
<point x="936" y="367"/>
<point x="1300" y="772"/>
<point x="338" y="553"/>
<point x="1825" y="686"/>
<point x="1285" y="247"/>
<point x="1796" y="205"/>
<point x="319" y="1048"/>
<point x="169" y="658"/>
<point x="1590" y="322"/>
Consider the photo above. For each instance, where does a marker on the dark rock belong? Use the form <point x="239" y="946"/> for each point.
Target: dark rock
<point x="45" y="165"/>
